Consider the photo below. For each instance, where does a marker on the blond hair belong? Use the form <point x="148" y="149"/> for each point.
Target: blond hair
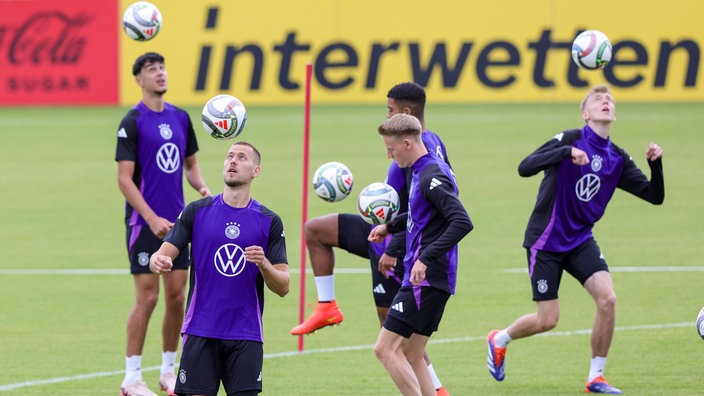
<point x="400" y="125"/>
<point x="602" y="88"/>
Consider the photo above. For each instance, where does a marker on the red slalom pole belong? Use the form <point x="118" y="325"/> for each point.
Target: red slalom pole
<point x="304" y="203"/>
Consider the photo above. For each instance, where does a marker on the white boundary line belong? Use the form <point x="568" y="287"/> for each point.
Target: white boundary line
<point x="352" y="271"/>
<point x="26" y="384"/>
<point x="628" y="269"/>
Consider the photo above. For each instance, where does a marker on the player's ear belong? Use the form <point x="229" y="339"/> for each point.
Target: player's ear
<point x="407" y="110"/>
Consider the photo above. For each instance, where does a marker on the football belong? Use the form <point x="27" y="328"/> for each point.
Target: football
<point x="142" y="21"/>
<point x="333" y="181"/>
<point x="378" y="203"/>
<point x="700" y="323"/>
<point x="224" y="117"/>
<point x="591" y="50"/>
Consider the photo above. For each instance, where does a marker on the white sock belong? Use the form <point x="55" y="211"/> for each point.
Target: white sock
<point x="501" y="339"/>
<point x="133" y="369"/>
<point x="597" y="367"/>
<point x="168" y="361"/>
<point x="436" y="380"/>
<point x="326" y="287"/>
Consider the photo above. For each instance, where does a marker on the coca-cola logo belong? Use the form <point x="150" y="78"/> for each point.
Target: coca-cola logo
<point x="45" y="38"/>
<point x="46" y="52"/>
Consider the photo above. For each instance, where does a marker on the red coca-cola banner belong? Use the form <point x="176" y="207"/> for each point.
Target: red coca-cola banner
<point x="58" y="52"/>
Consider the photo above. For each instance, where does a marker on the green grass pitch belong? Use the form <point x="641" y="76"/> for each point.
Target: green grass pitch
<point x="66" y="293"/>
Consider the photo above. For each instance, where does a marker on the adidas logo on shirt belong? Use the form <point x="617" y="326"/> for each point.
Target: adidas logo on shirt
<point x="379" y="289"/>
<point x="398" y="307"/>
<point x="122" y="133"/>
<point x="434" y="183"/>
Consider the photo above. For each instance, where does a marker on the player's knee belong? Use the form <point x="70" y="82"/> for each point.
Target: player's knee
<point x="607" y="303"/>
<point x="148" y="300"/>
<point x="413" y="358"/>
<point x="381" y="353"/>
<point x="175" y="299"/>
<point x="318" y="229"/>
<point x="547" y="322"/>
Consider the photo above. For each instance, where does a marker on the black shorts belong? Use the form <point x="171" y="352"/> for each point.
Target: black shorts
<point x="207" y="361"/>
<point x="141" y="243"/>
<point x="545" y="268"/>
<point x="352" y="234"/>
<point x="405" y="317"/>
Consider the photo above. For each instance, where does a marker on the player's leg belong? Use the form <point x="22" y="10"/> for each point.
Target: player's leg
<point x="545" y="270"/>
<point x="383" y="290"/>
<point x="389" y="349"/>
<point x="346" y="231"/>
<point x="414" y="351"/>
<point x="589" y="267"/>
<point x="140" y="242"/>
<point x="174" y="297"/>
<point x="321" y="236"/>
<point x="201" y="366"/>
<point x="242" y="367"/>
<point x="600" y="287"/>
<point x="146" y="295"/>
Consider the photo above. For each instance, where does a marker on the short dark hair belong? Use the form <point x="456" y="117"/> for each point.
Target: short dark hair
<point x="409" y="94"/>
<point x="149" y="57"/>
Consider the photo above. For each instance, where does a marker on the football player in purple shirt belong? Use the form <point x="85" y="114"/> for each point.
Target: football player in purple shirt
<point x="581" y="170"/>
<point x="349" y="232"/>
<point x="155" y="144"/>
<point x="238" y="246"/>
<point x="435" y="223"/>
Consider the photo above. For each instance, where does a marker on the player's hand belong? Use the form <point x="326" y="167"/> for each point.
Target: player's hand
<point x="386" y="264"/>
<point x="204" y="191"/>
<point x="255" y="254"/>
<point x="579" y="157"/>
<point x="654" y="152"/>
<point x="160" y="263"/>
<point x="418" y="273"/>
<point x="160" y="226"/>
<point x="378" y="233"/>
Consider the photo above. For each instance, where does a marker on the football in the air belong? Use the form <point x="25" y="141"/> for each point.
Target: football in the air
<point x="333" y="181"/>
<point x="378" y="203"/>
<point x="142" y="21"/>
<point x="591" y="50"/>
<point x="224" y="117"/>
<point x="700" y="323"/>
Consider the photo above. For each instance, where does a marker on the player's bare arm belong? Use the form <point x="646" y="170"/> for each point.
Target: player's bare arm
<point x="158" y="225"/>
<point x="195" y="177"/>
<point x="276" y="276"/>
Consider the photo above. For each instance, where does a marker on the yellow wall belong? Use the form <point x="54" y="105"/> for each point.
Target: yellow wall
<point x="348" y="31"/>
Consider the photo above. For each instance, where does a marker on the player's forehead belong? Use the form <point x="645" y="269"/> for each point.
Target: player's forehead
<point x="599" y="96"/>
<point x="152" y="64"/>
<point x="236" y="149"/>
